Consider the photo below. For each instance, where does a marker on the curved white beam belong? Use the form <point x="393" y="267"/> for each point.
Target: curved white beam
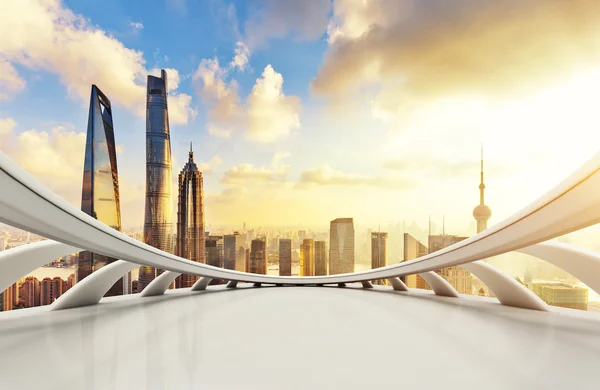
<point x="366" y="284"/>
<point x="160" y="284"/>
<point x="91" y="289"/>
<point x="17" y="262"/>
<point x="232" y="284"/>
<point x="508" y="291"/>
<point x="439" y="285"/>
<point x="27" y="204"/>
<point x="398" y="284"/>
<point x="201" y="284"/>
<point x="582" y="263"/>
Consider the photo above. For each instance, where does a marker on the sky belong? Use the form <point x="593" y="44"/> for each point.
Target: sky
<point x="301" y="112"/>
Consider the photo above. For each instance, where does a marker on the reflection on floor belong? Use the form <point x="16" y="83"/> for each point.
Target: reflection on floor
<point x="298" y="338"/>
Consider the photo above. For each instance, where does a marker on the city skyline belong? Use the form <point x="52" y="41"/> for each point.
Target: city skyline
<point x="159" y="210"/>
<point x="437" y="134"/>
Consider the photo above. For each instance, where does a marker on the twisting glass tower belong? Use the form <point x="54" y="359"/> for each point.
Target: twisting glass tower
<point x="190" y="218"/>
<point x="100" y="192"/>
<point x="158" y="219"/>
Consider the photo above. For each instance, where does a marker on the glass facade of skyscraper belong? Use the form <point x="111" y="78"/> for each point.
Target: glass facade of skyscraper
<point x="100" y="190"/>
<point x="378" y="252"/>
<point x="258" y="257"/>
<point x="158" y="219"/>
<point x="307" y="257"/>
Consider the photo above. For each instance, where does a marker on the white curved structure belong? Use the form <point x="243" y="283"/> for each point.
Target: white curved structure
<point x="572" y="205"/>
<point x="17" y="262"/>
<point x="258" y="338"/>
<point x="25" y="203"/>
<point x="159" y="285"/>
<point x="201" y="284"/>
<point x="203" y="331"/>
<point x="91" y="289"/>
<point x="398" y="284"/>
<point x="506" y="289"/>
<point x="582" y="263"/>
<point x="439" y="285"/>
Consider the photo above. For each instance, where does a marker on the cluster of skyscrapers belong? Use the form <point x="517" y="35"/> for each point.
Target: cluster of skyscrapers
<point x="100" y="192"/>
<point x="101" y="200"/>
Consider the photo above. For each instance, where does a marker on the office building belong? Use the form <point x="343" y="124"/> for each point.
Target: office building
<point x="307" y="257"/>
<point x="50" y="290"/>
<point x="341" y="246"/>
<point x="561" y="294"/>
<point x="31" y="292"/>
<point x="7" y="298"/>
<point x="246" y="258"/>
<point x="378" y="252"/>
<point x="258" y="256"/>
<point x="100" y="191"/>
<point x="413" y="249"/>
<point x="458" y="277"/>
<point x="214" y="254"/>
<point x="214" y="251"/>
<point x="127" y="279"/>
<point x="234" y="249"/>
<point x="285" y="257"/>
<point x="190" y="219"/>
<point x="158" y="216"/>
<point x="481" y="213"/>
<point x="320" y="258"/>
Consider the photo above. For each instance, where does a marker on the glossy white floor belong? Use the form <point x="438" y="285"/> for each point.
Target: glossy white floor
<point x="298" y="338"/>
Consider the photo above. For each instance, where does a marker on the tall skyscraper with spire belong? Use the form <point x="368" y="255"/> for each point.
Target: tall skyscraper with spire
<point x="158" y="218"/>
<point x="481" y="213"/>
<point x="100" y="190"/>
<point x="190" y="218"/>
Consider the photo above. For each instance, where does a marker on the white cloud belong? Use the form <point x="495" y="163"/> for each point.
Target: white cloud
<point x="276" y="161"/>
<point x="10" y="82"/>
<point x="439" y="47"/>
<point x="80" y="53"/>
<point x="136" y="25"/>
<point x="228" y="196"/>
<point x="7" y="126"/>
<point x="55" y="158"/>
<point x="251" y="174"/>
<point x="324" y="175"/>
<point x="208" y="167"/>
<point x="271" y="114"/>
<point x="241" y="58"/>
<point x="267" y="115"/>
<point x="304" y="20"/>
<point x="248" y="173"/>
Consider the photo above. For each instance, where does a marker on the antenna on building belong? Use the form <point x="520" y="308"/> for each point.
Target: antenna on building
<point x="429" y="225"/>
<point x="443" y="225"/>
